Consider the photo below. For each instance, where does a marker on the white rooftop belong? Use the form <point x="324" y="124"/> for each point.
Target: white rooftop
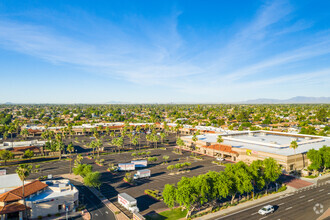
<point x="51" y="192"/>
<point x="8" y="182"/>
<point x="270" y="142"/>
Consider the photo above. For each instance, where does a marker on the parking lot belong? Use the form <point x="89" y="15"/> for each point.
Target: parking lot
<point x="112" y="184"/>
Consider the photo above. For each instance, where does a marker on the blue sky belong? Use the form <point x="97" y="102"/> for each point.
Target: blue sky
<point x="163" y="51"/>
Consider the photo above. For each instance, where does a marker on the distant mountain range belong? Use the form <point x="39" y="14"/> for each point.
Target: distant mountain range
<point x="294" y="100"/>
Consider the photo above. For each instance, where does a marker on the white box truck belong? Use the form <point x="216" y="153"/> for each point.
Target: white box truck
<point x="128" y="202"/>
<point x="142" y="174"/>
<point x="140" y="163"/>
<point x="126" y="166"/>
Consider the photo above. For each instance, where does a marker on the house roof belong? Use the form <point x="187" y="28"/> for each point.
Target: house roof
<point x="13" y="207"/>
<point x="17" y="194"/>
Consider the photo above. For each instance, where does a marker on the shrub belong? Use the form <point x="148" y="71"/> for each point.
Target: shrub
<point x="170" y="167"/>
<point x="282" y="188"/>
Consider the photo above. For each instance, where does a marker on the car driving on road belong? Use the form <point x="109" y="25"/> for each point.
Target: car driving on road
<point x="266" y="210"/>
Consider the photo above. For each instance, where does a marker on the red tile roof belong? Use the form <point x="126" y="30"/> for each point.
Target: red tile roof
<point x="221" y="147"/>
<point x="13" y="207"/>
<point x="17" y="194"/>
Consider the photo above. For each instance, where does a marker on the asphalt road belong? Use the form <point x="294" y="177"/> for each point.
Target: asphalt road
<point x="94" y="205"/>
<point x="297" y="205"/>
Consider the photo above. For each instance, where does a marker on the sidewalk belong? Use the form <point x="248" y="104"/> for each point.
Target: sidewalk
<point x="245" y="205"/>
<point x="317" y="179"/>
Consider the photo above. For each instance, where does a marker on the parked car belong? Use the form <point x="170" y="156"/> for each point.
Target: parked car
<point x="220" y="159"/>
<point x="266" y="210"/>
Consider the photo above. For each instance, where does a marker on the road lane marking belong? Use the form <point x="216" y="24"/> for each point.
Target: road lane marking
<point x="254" y="213"/>
<point x="310" y="200"/>
<point x="288" y="208"/>
<point x="321" y="190"/>
<point x="281" y="203"/>
<point x="301" y="196"/>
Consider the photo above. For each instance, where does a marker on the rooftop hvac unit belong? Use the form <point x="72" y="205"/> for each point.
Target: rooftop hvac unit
<point x="294" y="139"/>
<point x="308" y="138"/>
<point x="273" y="142"/>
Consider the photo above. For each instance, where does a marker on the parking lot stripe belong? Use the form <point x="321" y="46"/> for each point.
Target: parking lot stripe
<point x="281" y="203"/>
<point x="321" y="190"/>
<point x="254" y="213"/>
<point x="288" y="208"/>
<point x="263" y="217"/>
<point x="310" y="200"/>
<point x="302" y="196"/>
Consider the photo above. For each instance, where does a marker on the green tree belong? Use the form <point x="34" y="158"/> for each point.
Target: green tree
<point x="240" y="179"/>
<point x="325" y="154"/>
<point x="24" y="133"/>
<point x="162" y="136"/>
<point x="23" y="171"/>
<point x="169" y="195"/>
<point x="60" y="147"/>
<point x="294" y="146"/>
<point x="257" y="171"/>
<point x="316" y="160"/>
<point x="92" y="179"/>
<point x="6" y="155"/>
<point x="70" y="148"/>
<point x="165" y="158"/>
<point x="272" y="171"/>
<point x="28" y="154"/>
<point x="180" y="143"/>
<point x="186" y="194"/>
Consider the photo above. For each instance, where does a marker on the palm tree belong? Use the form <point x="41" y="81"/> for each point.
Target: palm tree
<point x="93" y="146"/>
<point x="23" y="171"/>
<point x="11" y="131"/>
<point x="70" y="148"/>
<point x="135" y="142"/>
<point x="155" y="139"/>
<point x="24" y="133"/>
<point x="130" y="136"/>
<point x="219" y="140"/>
<point x="162" y="136"/>
<point x="99" y="145"/>
<point x="180" y="143"/>
<point x="60" y="146"/>
<point x="138" y="130"/>
<point x="294" y="146"/>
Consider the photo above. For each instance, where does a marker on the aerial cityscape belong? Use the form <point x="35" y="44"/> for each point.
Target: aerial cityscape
<point x="165" y="110"/>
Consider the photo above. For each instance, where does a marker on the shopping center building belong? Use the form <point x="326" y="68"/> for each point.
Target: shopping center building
<point x="248" y="146"/>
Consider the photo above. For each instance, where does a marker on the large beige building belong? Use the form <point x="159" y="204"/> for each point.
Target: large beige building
<point x="257" y="145"/>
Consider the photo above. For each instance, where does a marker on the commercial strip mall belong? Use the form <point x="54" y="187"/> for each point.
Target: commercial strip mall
<point x="248" y="146"/>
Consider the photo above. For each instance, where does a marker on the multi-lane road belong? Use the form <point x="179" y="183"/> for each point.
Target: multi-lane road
<point x="308" y="203"/>
<point x="93" y="204"/>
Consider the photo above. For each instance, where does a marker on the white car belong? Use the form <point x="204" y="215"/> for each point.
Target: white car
<point x="220" y="159"/>
<point x="266" y="210"/>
